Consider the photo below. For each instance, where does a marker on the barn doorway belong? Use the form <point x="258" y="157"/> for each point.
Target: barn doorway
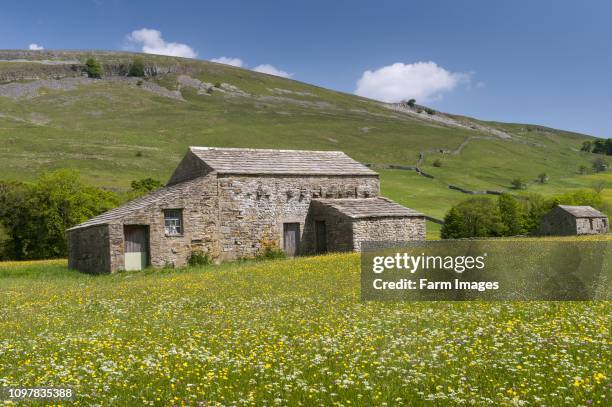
<point x="321" y="236"/>
<point x="136" y="247"/>
<point x="291" y="238"/>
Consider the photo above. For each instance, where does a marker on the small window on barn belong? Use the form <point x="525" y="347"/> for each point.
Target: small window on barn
<point x="173" y="222"/>
<point x="591" y="223"/>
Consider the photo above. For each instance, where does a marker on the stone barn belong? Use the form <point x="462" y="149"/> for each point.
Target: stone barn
<point x="573" y="220"/>
<point x="231" y="203"/>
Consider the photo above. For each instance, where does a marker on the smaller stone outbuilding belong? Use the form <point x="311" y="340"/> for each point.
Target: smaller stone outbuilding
<point x="564" y="220"/>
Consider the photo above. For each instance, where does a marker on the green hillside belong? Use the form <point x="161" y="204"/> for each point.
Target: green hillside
<point x="118" y="128"/>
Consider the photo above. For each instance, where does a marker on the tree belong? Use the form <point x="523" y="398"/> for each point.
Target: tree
<point x="453" y="225"/>
<point x="586" y="146"/>
<point x="93" y="68"/>
<point x="411" y="102"/>
<point x="600" y="164"/>
<point x="37" y="216"/>
<point x="512" y="215"/>
<point x="534" y="207"/>
<point x="518" y="183"/>
<point x="543" y="178"/>
<point x="13" y="218"/>
<point x="146" y="185"/>
<point x="137" y="68"/>
<point x="474" y="217"/>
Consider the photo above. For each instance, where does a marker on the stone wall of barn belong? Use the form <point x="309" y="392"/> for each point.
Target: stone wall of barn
<point x="252" y="209"/>
<point x="591" y="226"/>
<point x="89" y="249"/>
<point x="557" y="222"/>
<point x="198" y="201"/>
<point x="339" y="236"/>
<point x="387" y="229"/>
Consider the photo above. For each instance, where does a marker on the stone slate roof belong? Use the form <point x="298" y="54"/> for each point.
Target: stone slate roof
<point x="582" y="211"/>
<point x="137" y="204"/>
<point x="280" y="162"/>
<point x="358" y="208"/>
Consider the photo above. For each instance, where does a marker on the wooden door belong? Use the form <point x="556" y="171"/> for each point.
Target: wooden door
<point x="321" y="236"/>
<point x="291" y="238"/>
<point x="136" y="247"/>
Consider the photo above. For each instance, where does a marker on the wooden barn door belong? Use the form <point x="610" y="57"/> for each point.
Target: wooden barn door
<point x="321" y="236"/>
<point x="136" y="247"/>
<point x="291" y="238"/>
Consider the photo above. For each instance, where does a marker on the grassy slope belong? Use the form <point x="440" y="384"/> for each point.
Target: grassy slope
<point x="293" y="330"/>
<point x="99" y="128"/>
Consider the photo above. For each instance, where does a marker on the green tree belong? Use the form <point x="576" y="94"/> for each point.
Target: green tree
<point x="534" y="207"/>
<point x="453" y="225"/>
<point x="512" y="215"/>
<point x="93" y="68"/>
<point x="146" y="185"/>
<point x="411" y="102"/>
<point x="518" y="183"/>
<point x="137" y="68"/>
<point x="543" y="178"/>
<point x="13" y="218"/>
<point x="58" y="201"/>
<point x="474" y="217"/>
<point x="586" y="146"/>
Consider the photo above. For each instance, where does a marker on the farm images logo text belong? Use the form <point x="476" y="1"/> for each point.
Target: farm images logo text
<point x="490" y="270"/>
<point x="405" y="261"/>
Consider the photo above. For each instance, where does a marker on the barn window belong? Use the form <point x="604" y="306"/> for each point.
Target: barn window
<point x="173" y="222"/>
<point x="591" y="223"/>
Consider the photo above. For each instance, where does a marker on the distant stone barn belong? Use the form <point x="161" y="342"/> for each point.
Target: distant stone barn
<point x="230" y="203"/>
<point x="573" y="220"/>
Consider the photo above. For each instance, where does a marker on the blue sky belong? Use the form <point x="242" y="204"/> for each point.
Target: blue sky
<point x="543" y="62"/>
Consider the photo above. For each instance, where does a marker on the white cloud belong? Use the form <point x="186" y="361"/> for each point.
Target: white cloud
<point x="153" y="43"/>
<point x="229" y="61"/>
<point x="423" y="81"/>
<point x="272" y="70"/>
<point x="36" y="47"/>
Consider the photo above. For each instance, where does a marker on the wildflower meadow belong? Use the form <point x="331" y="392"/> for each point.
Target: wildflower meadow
<point x="289" y="332"/>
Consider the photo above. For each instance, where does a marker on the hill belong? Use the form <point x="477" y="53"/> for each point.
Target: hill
<point x="119" y="128"/>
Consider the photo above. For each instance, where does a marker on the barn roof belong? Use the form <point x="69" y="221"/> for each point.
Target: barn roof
<point x="358" y="208"/>
<point x="280" y="162"/>
<point x="582" y="211"/>
<point x="137" y="204"/>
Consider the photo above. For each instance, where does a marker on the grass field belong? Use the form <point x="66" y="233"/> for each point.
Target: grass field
<point x="289" y="332"/>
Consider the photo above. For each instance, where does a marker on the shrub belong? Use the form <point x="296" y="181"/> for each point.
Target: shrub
<point x="437" y="163"/>
<point x="582" y="169"/>
<point x="139" y="154"/>
<point x="543" y="178"/>
<point x="93" y="68"/>
<point x="430" y="111"/>
<point x="518" y="183"/>
<point x="137" y="68"/>
<point x="270" y="250"/>
<point x="199" y="258"/>
<point x="411" y="102"/>
<point x="217" y="84"/>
